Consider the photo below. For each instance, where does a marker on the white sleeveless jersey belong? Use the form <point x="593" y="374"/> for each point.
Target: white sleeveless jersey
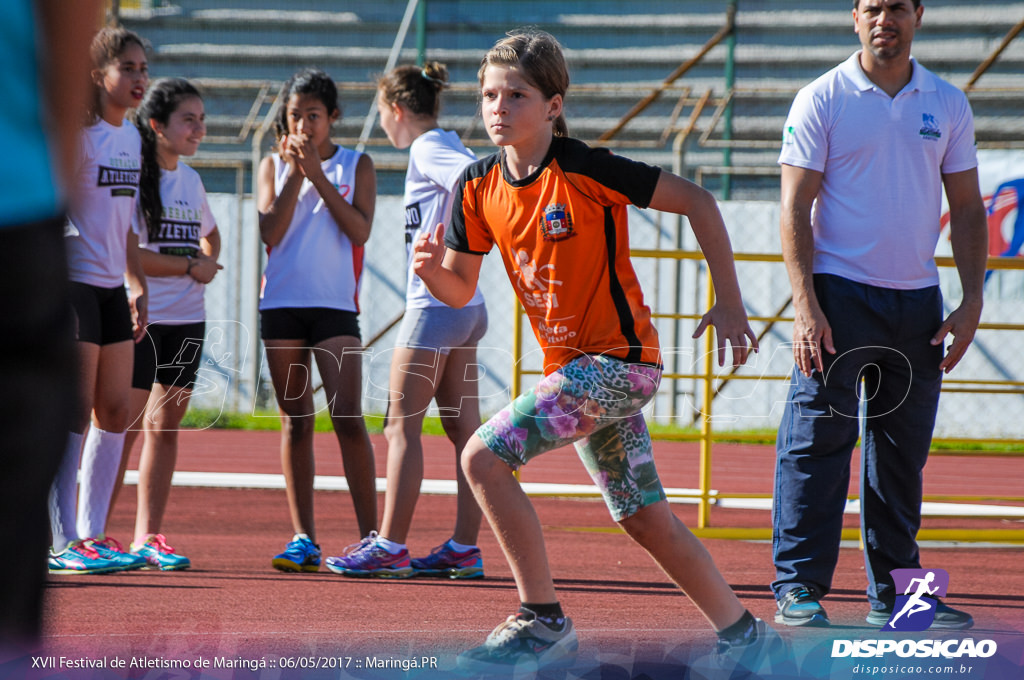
<point x="315" y="264"/>
<point x="436" y="161"/>
<point x="106" y="186"/>
<point x="186" y="218"/>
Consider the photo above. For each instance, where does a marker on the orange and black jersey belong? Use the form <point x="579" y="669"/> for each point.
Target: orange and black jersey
<point x="564" y="238"/>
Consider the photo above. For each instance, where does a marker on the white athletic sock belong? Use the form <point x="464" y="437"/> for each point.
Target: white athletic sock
<point x="458" y="547"/>
<point x="390" y="546"/>
<point x="101" y="459"/>
<point x="63" y="493"/>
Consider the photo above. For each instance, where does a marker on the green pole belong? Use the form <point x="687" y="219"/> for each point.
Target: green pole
<point x="730" y="81"/>
<point x="421" y="33"/>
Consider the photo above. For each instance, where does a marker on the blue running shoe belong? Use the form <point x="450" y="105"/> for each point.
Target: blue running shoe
<point x="159" y="555"/>
<point x="111" y="549"/>
<point x="301" y="554"/>
<point x="444" y="561"/>
<point x="368" y="558"/>
<point x="80" y="558"/>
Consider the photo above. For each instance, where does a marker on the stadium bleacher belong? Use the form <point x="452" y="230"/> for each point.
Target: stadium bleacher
<point x="242" y="50"/>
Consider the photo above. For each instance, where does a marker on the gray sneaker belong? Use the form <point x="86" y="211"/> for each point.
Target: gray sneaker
<point x="522" y="646"/>
<point x="800" y="607"/>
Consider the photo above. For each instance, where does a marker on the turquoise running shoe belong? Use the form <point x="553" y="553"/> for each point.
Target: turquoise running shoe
<point x="368" y="558"/>
<point x="159" y="555"/>
<point x="111" y="549"/>
<point x="443" y="561"/>
<point x="301" y="554"/>
<point x="80" y="558"/>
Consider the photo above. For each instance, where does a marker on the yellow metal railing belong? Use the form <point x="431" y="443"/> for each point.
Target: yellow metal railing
<point x="707" y="496"/>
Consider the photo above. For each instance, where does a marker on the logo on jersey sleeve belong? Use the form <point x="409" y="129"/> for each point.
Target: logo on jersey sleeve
<point x="930" y="127"/>
<point x="557" y="223"/>
<point x="413" y="220"/>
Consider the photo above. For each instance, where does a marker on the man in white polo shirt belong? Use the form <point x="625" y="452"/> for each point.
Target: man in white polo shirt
<point x="867" y="150"/>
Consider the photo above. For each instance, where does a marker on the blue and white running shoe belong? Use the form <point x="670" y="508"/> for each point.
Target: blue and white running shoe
<point x="301" y="554"/>
<point x="80" y="558"/>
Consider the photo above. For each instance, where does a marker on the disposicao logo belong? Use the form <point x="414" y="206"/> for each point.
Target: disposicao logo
<point x="914" y="610"/>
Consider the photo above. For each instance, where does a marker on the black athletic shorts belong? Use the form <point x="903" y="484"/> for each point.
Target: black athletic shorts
<point x="169" y="355"/>
<point x="102" y="315"/>
<point x="311" y="324"/>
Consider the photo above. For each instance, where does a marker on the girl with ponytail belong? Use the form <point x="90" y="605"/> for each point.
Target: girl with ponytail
<point x="435" y="354"/>
<point x="179" y="244"/>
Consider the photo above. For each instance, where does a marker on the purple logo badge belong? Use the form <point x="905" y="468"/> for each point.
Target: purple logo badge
<point x="915" y="608"/>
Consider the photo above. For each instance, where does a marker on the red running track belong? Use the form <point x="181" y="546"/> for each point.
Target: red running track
<point x="241" y="619"/>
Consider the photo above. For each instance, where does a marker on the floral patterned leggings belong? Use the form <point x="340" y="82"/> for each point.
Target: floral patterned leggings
<point x="594" y="403"/>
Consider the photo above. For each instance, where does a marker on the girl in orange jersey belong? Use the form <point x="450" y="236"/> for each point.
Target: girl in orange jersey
<point x="556" y="210"/>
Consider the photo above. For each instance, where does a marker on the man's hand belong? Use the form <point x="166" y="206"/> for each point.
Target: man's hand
<point x="962" y="323"/>
<point x="811" y="334"/>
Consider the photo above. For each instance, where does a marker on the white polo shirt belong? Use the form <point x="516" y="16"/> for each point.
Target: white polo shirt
<point x="876" y="217"/>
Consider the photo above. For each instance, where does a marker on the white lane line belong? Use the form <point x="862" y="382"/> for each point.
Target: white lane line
<point x="249" y="480"/>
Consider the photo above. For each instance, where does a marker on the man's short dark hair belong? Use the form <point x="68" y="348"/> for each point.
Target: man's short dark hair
<point x="856" y="4"/>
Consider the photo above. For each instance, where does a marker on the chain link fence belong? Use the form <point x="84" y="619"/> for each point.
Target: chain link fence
<point x="241" y="51"/>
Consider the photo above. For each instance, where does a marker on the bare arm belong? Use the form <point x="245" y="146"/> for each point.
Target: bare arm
<point x="161" y="264"/>
<point x="450" y="276"/>
<point x="137" y="284"/>
<point x="67" y="29"/>
<point x="355" y="218"/>
<point x="203" y="267"/>
<point x="677" y="195"/>
<point x="968" y="229"/>
<point x="811" y="330"/>
<point x="210" y="244"/>
<point x="276" y="211"/>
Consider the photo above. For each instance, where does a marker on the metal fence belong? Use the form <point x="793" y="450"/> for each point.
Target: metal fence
<point x="981" y="409"/>
<point x="698" y="87"/>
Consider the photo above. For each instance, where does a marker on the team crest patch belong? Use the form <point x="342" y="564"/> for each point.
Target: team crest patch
<point x="557" y="223"/>
<point x="930" y="127"/>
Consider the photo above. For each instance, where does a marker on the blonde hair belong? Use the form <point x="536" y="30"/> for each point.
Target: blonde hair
<point x="538" y="57"/>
